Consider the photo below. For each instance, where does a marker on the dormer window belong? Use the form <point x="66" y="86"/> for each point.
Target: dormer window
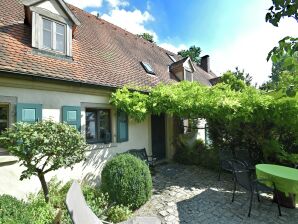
<point x="53" y="25"/>
<point x="148" y="68"/>
<point x="188" y="75"/>
<point x="53" y="35"/>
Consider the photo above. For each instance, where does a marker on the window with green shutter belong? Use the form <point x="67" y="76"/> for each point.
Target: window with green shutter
<point x="122" y="126"/>
<point x="72" y="116"/>
<point x="29" y="113"/>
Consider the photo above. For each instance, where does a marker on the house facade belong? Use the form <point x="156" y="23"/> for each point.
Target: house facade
<point x="61" y="63"/>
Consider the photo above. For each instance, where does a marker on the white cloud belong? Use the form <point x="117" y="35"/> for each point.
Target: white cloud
<point x="94" y="13"/>
<point x="249" y="50"/>
<point x="117" y="3"/>
<point x="85" y="3"/>
<point x="173" y="48"/>
<point x="132" y="21"/>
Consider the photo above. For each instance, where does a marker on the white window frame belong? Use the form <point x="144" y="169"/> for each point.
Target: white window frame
<point x="185" y="70"/>
<point x="54" y="35"/>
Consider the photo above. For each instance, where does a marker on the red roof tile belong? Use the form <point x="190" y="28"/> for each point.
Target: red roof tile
<point x="103" y="54"/>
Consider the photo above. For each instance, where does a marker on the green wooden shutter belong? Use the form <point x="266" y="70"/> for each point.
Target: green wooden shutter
<point x="72" y="116"/>
<point x="29" y="113"/>
<point x="122" y="126"/>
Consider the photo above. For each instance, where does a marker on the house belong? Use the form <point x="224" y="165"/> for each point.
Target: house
<point x="61" y="63"/>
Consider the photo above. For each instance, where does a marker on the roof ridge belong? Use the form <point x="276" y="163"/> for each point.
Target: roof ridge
<point x="72" y="7"/>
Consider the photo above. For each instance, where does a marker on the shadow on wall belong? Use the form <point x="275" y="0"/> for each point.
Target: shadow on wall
<point x="96" y="157"/>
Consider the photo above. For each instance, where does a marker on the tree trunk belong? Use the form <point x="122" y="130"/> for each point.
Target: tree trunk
<point x="44" y="186"/>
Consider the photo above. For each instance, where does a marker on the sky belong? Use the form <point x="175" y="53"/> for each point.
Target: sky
<point x="232" y="32"/>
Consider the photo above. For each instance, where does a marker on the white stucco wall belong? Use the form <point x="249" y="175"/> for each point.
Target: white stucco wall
<point x="89" y="170"/>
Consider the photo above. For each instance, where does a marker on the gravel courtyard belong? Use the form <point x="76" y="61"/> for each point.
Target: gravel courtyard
<point x="189" y="194"/>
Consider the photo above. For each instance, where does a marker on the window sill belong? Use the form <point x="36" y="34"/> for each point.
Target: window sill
<point x="6" y="160"/>
<point x="51" y="54"/>
<point x="99" y="145"/>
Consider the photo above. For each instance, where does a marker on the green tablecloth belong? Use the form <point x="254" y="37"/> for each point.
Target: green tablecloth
<point x="285" y="178"/>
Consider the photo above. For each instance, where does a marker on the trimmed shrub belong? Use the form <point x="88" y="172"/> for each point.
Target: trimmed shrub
<point x="127" y="180"/>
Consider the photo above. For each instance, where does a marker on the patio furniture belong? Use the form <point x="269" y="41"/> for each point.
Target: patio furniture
<point x="80" y="213"/>
<point x="285" y="179"/>
<point x="243" y="156"/>
<point x="243" y="177"/>
<point x="225" y="156"/>
<point x="142" y="154"/>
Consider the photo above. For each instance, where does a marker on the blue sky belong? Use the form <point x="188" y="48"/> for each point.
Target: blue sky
<point x="232" y="32"/>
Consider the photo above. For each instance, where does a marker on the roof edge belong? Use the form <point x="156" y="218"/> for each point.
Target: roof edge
<point x="71" y="15"/>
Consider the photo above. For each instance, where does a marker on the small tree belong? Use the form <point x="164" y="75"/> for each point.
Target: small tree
<point x="193" y="52"/>
<point x="43" y="147"/>
<point x="147" y="36"/>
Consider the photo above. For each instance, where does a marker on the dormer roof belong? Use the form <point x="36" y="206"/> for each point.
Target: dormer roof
<point x="64" y="7"/>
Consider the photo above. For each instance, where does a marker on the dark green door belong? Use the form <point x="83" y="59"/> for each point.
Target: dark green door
<point x="158" y="133"/>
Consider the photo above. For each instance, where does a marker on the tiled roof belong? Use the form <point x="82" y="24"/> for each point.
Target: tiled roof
<point x="103" y="54"/>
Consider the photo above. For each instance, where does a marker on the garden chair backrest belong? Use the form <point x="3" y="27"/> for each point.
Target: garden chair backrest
<point x="140" y="153"/>
<point x="243" y="155"/>
<point x="224" y="157"/>
<point x="242" y="174"/>
<point x="77" y="207"/>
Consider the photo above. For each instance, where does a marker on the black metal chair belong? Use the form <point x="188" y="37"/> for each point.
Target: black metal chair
<point x="243" y="177"/>
<point x="243" y="156"/>
<point x="142" y="154"/>
<point x="225" y="156"/>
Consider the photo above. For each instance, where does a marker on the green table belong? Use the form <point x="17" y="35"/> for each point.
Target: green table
<point x="285" y="178"/>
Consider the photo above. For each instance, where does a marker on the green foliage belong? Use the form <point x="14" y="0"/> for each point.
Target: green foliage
<point x="241" y="75"/>
<point x="194" y="152"/>
<point x="147" y="36"/>
<point x="282" y="8"/>
<point x="96" y="199"/>
<point x="43" y="147"/>
<point x="13" y="211"/>
<point x="239" y="116"/>
<point x="36" y="211"/>
<point x="188" y="149"/>
<point x="193" y="52"/>
<point x="127" y="180"/>
<point x="118" y="213"/>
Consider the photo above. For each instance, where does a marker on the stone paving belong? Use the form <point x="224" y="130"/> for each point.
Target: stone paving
<point x="189" y="194"/>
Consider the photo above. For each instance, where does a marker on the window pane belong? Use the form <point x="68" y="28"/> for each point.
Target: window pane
<point x="91" y="125"/>
<point x="60" y="37"/>
<point x="29" y="115"/>
<point x="72" y="115"/>
<point x="47" y="34"/>
<point x="104" y="133"/>
<point x="47" y="25"/>
<point x="3" y="118"/>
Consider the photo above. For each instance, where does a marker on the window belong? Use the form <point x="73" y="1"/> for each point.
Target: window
<point x="188" y="76"/>
<point x="122" y="126"/>
<point x="4" y="111"/>
<point x="148" y="68"/>
<point x="53" y="35"/>
<point x="98" y="126"/>
<point x="29" y="113"/>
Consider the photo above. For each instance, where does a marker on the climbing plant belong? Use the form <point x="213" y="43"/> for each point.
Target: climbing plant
<point x="246" y="116"/>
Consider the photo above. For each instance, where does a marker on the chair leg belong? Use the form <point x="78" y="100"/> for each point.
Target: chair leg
<point x="250" y="203"/>
<point x="258" y="196"/>
<point x="219" y="173"/>
<point x="234" y="190"/>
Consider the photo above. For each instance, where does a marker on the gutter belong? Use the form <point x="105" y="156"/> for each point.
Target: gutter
<point x="40" y="77"/>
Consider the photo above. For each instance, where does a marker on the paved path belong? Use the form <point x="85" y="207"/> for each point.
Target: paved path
<point x="189" y="194"/>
